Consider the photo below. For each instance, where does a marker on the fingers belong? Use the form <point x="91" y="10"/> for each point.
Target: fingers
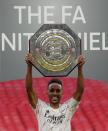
<point x="81" y="60"/>
<point x="29" y="58"/>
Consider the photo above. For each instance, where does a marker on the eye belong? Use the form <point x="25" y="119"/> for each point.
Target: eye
<point x="52" y="90"/>
<point x="58" y="90"/>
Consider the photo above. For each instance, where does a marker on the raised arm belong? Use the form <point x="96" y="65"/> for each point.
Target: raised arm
<point x="31" y="94"/>
<point x="80" y="80"/>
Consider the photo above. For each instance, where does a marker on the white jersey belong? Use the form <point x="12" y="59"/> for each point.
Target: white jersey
<point x="50" y="119"/>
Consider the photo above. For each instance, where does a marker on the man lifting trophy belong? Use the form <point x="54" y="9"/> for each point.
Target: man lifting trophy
<point x="55" y="50"/>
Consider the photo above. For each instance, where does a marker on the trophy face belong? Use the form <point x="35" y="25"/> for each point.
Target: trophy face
<point x="55" y="49"/>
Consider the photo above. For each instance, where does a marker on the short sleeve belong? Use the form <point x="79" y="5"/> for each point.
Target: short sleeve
<point x="72" y="106"/>
<point x="40" y="105"/>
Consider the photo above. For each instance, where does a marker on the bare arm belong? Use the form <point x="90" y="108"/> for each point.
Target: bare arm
<point x="80" y="80"/>
<point x="31" y="94"/>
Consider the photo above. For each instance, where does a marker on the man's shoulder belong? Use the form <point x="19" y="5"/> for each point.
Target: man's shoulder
<point x="71" y="100"/>
<point x="41" y="102"/>
<point x="40" y="105"/>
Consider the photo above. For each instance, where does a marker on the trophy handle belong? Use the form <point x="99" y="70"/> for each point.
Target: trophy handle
<point x="80" y="48"/>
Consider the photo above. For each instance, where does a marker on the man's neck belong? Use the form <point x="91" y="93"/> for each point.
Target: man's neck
<point x="55" y="106"/>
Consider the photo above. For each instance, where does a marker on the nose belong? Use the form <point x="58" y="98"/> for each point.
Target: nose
<point x="55" y="93"/>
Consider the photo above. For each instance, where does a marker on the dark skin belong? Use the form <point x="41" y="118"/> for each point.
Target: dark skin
<point x="54" y="92"/>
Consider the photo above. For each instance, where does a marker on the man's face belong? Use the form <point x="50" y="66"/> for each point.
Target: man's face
<point x="54" y="93"/>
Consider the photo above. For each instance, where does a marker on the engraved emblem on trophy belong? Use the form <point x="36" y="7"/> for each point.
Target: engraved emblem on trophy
<point x="55" y="48"/>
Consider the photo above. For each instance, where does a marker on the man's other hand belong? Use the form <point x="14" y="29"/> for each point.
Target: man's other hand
<point x="81" y="61"/>
<point x="29" y="59"/>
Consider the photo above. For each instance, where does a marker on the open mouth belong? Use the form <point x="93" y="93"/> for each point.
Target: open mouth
<point x="54" y="98"/>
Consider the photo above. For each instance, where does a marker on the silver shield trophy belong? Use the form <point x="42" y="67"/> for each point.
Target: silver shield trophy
<point x="55" y="48"/>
